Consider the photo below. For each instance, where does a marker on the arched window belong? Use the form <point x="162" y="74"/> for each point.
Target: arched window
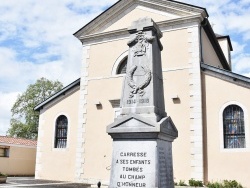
<point x="233" y="127"/>
<point x="122" y="66"/>
<point x="61" y="132"/>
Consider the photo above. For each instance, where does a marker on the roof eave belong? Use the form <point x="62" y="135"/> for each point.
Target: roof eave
<point x="234" y="76"/>
<point x="59" y="93"/>
<point x="213" y="39"/>
<point x="77" y="34"/>
<point x="204" y="9"/>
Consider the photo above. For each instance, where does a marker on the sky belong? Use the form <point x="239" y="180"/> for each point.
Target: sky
<point x="36" y="40"/>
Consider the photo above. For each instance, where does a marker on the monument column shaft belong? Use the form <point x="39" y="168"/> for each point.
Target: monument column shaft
<point x="143" y="85"/>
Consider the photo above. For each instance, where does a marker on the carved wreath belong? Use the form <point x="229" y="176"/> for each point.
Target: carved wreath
<point x="138" y="88"/>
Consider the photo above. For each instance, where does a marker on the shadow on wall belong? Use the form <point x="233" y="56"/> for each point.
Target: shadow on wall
<point x="177" y="100"/>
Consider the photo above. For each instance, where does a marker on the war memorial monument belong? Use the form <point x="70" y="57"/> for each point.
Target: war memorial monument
<point x="143" y="133"/>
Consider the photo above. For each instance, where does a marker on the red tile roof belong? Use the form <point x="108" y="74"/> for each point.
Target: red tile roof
<point x="17" y="141"/>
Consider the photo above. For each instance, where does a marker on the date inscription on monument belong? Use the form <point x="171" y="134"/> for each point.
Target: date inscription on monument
<point x="137" y="101"/>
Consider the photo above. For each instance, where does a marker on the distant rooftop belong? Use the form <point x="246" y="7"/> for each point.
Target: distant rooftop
<point x="17" y="141"/>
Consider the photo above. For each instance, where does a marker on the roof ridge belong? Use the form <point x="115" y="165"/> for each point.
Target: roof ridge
<point x="16" y="137"/>
<point x="17" y="141"/>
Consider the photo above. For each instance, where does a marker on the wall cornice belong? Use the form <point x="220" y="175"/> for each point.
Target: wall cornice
<point x="103" y="18"/>
<point x="123" y="33"/>
<point x="170" y="6"/>
<point x="174" y="7"/>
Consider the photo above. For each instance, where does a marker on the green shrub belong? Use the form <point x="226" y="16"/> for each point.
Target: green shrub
<point x="2" y="174"/>
<point x="182" y="183"/>
<point x="214" y="185"/>
<point x="195" y="183"/>
<point x="232" y="184"/>
<point x="225" y="184"/>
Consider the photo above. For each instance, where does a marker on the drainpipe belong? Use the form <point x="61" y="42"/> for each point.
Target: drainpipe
<point x="204" y="126"/>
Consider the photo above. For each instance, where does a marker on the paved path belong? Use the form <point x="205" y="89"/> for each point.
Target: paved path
<point x="30" y="182"/>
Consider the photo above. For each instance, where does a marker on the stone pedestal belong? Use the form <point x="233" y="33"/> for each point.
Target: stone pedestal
<point x="142" y="152"/>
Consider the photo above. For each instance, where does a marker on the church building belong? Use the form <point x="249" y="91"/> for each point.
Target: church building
<point x="208" y="103"/>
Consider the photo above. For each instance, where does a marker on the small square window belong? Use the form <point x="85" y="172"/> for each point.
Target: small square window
<point x="4" y="151"/>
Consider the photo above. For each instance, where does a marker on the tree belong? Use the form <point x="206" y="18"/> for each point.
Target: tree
<point x="24" y="120"/>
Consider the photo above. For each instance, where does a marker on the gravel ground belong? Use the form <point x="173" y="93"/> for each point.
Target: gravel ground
<point x="30" y="182"/>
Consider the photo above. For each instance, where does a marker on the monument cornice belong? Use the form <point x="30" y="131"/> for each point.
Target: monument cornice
<point x="123" y="33"/>
<point x="142" y="128"/>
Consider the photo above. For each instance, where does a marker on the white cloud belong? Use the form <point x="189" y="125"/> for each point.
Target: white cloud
<point x="36" y="39"/>
<point x="247" y="74"/>
<point x="6" y="102"/>
<point x="7" y="56"/>
<point x="47" y="25"/>
<point x="230" y="17"/>
<point x="242" y="64"/>
<point x="34" y="24"/>
<point x="237" y="48"/>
